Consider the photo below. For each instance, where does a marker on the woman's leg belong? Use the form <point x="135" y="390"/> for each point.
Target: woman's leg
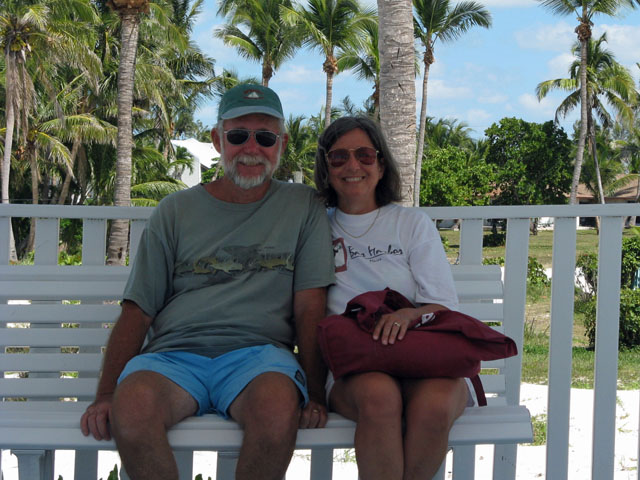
<point x="431" y="407"/>
<point x="374" y="401"/>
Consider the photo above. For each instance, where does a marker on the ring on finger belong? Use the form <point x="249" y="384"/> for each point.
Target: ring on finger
<point x="397" y="324"/>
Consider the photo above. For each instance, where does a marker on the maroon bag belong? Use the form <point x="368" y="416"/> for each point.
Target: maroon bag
<point x="450" y="344"/>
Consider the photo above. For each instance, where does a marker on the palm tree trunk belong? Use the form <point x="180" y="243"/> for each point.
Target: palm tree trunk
<point x="423" y="126"/>
<point x="594" y="153"/>
<point x="33" y="164"/>
<point x="584" y="33"/>
<point x="64" y="192"/>
<point x="8" y="138"/>
<point x="6" y="159"/>
<point x="82" y="175"/>
<point x="397" y="88"/>
<point x="119" y="233"/>
<point x="328" y="99"/>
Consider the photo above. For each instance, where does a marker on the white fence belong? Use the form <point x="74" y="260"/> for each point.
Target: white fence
<point x="472" y="219"/>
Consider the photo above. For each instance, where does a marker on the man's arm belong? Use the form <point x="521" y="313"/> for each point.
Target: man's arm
<point x="124" y="343"/>
<point x="308" y="308"/>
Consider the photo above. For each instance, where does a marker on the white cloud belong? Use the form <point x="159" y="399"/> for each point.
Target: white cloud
<point x="475" y="116"/>
<point x="556" y="37"/>
<point x="559" y="65"/>
<point x="508" y="3"/>
<point x="493" y="98"/>
<point x="546" y="106"/>
<point x="622" y="40"/>
<point x="440" y="89"/>
<point x="292" y="73"/>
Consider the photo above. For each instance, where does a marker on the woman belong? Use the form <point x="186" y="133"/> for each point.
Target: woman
<point x="378" y="244"/>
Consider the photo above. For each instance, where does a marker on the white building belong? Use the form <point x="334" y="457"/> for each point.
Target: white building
<point x="205" y="156"/>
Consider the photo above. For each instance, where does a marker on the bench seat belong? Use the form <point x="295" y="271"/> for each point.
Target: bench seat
<point x="56" y="425"/>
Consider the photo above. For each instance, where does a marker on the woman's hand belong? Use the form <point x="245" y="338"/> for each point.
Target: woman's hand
<point x="394" y="326"/>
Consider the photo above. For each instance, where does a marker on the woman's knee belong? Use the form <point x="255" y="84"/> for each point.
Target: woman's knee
<point x="378" y="396"/>
<point x="437" y="407"/>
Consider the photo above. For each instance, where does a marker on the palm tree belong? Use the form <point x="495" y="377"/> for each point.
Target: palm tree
<point x="20" y="25"/>
<point x="584" y="10"/>
<point x="299" y="154"/>
<point x="448" y="132"/>
<point x="129" y="12"/>
<point x="628" y="148"/>
<point x="434" y="20"/>
<point x="605" y="78"/>
<point x="267" y="39"/>
<point x="364" y="60"/>
<point x="330" y="25"/>
<point x="397" y="87"/>
<point x="34" y="35"/>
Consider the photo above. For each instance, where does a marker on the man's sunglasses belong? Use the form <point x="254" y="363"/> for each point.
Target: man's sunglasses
<point x="340" y="156"/>
<point x="239" y="136"/>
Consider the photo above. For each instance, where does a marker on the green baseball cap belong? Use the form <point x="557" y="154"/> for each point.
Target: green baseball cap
<point x="249" y="98"/>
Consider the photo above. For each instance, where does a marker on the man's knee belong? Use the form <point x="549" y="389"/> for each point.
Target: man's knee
<point x="269" y="404"/>
<point x="138" y="405"/>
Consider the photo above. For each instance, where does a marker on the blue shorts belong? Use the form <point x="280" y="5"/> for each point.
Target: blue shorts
<point x="216" y="382"/>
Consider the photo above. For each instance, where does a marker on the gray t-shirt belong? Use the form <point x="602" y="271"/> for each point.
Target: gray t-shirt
<point x="218" y="276"/>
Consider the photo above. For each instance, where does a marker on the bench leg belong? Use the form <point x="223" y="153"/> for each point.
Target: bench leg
<point x="464" y="462"/>
<point x="34" y="464"/>
<point x="321" y="463"/>
<point x="226" y="467"/>
<point x="184" y="460"/>
<point x="86" y="465"/>
<point x="504" y="462"/>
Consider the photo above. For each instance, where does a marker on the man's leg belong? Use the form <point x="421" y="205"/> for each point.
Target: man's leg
<point x="268" y="409"/>
<point x="145" y="405"/>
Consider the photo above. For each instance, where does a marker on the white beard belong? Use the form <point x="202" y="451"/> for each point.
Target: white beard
<point x="230" y="169"/>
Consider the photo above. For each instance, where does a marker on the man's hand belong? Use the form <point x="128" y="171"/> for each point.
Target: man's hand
<point x="95" y="419"/>
<point x="314" y="415"/>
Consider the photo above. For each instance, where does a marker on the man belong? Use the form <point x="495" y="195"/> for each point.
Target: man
<point x="228" y="275"/>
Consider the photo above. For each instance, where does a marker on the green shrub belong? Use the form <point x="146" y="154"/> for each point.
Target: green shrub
<point x="493" y="261"/>
<point x="494" y="239"/>
<point x="445" y="243"/>
<point x="629" y="319"/>
<point x="630" y="260"/>
<point x="588" y="263"/>
<point x="536" y="275"/>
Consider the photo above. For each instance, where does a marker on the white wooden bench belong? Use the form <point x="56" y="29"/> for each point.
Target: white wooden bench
<point x="54" y="337"/>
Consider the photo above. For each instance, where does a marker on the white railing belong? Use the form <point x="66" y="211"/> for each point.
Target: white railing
<point x="472" y="220"/>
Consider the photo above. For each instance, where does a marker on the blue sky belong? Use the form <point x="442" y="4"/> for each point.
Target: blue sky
<point x="480" y="78"/>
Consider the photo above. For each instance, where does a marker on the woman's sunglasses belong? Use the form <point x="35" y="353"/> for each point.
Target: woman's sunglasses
<point x="340" y="156"/>
<point x="239" y="136"/>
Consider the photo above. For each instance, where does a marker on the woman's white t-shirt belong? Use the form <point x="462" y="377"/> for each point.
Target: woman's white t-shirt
<point x="401" y="249"/>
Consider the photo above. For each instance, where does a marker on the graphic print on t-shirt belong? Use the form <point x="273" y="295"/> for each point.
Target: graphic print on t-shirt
<point x="236" y="260"/>
<point x="340" y="255"/>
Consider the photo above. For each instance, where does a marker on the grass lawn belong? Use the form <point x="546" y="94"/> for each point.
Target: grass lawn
<point x="535" y="357"/>
<point x="540" y="245"/>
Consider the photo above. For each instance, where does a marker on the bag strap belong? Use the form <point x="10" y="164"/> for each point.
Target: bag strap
<point x="477" y="386"/>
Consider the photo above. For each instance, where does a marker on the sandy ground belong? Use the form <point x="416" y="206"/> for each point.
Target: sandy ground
<point x="531" y="459"/>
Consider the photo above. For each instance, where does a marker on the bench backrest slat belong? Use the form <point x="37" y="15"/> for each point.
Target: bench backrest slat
<point x="53" y="350"/>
